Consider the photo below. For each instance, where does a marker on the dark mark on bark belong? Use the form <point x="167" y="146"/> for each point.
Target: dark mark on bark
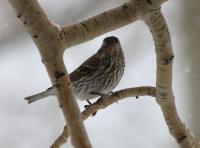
<point x="164" y="95"/>
<point x="19" y="15"/>
<point x="38" y="13"/>
<point x="140" y="91"/>
<point x="154" y="94"/>
<point x="162" y="98"/>
<point x="25" y="22"/>
<point x="118" y="17"/>
<point x="180" y="140"/>
<point x="167" y="61"/>
<point x="169" y="123"/>
<point x="75" y="27"/>
<point x="85" y="26"/>
<point x="105" y="15"/>
<point x="149" y="92"/>
<point x="117" y="94"/>
<point x="68" y="83"/>
<point x="161" y="46"/>
<point x="61" y="36"/>
<point x="149" y="1"/>
<point x="58" y="75"/>
<point x="125" y="6"/>
<point x="162" y="28"/>
<point x="161" y="86"/>
<point x="95" y="21"/>
<point x="61" y="106"/>
<point x="35" y="36"/>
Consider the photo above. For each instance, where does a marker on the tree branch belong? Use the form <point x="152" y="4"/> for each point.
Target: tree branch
<point x="46" y="37"/>
<point x="102" y="103"/>
<point x="164" y="95"/>
<point x="100" y="24"/>
<point x="107" y="21"/>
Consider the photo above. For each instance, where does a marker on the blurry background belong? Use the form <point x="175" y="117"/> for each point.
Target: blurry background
<point x="130" y="123"/>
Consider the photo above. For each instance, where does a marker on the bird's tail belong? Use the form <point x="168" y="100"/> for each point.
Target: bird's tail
<point x="47" y="93"/>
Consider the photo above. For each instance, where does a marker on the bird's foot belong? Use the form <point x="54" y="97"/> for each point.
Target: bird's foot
<point x="86" y="106"/>
<point x="99" y="94"/>
<point x="102" y="96"/>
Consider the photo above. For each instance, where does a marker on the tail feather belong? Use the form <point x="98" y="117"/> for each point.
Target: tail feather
<point x="47" y="93"/>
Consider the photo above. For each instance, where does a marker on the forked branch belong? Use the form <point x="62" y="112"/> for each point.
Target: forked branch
<point x="102" y="103"/>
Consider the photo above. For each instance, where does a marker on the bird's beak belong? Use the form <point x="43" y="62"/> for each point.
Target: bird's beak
<point x="114" y="48"/>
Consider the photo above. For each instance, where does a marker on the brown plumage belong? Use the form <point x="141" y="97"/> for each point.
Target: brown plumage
<point x="99" y="74"/>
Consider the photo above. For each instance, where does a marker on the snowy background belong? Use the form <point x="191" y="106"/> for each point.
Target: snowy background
<point x="130" y="123"/>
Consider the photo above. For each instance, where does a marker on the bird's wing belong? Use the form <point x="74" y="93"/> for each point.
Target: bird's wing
<point x="89" y="67"/>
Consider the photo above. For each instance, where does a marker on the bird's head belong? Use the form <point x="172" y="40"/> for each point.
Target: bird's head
<point x="111" y="46"/>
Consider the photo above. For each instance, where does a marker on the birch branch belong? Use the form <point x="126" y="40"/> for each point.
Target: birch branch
<point x="46" y="38"/>
<point x="108" y="21"/>
<point x="102" y="103"/>
<point x="97" y="25"/>
<point x="164" y="95"/>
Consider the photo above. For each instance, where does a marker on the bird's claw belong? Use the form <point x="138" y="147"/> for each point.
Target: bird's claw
<point x="86" y="106"/>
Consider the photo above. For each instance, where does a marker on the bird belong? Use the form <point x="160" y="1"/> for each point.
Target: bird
<point x="97" y="76"/>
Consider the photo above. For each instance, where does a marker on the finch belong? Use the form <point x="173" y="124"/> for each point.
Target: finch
<point x="98" y="75"/>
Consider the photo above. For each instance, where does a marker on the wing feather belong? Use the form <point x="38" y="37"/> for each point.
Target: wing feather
<point x="89" y="67"/>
